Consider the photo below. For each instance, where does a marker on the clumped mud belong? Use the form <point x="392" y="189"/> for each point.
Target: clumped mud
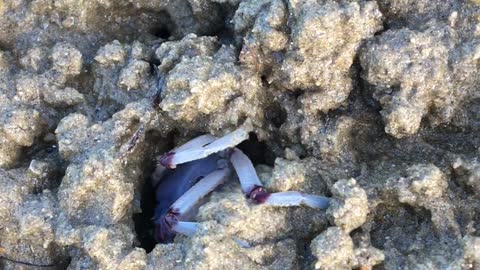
<point x="375" y="104"/>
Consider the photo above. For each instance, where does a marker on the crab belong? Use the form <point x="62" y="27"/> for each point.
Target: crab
<point x="188" y="173"/>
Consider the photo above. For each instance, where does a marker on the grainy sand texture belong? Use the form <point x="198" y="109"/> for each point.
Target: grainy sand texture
<point x="372" y="103"/>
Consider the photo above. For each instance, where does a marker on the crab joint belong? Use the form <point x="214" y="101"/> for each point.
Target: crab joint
<point x="166" y="160"/>
<point x="169" y="225"/>
<point x="164" y="227"/>
<point x="258" y="194"/>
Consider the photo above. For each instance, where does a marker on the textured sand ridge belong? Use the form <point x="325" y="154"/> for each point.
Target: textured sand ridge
<point x="375" y="104"/>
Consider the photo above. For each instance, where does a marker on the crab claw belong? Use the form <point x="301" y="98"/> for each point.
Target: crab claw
<point x="204" y="146"/>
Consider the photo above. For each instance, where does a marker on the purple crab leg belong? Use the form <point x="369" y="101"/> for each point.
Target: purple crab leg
<point x="253" y="188"/>
<point x="183" y="155"/>
<point x="170" y="223"/>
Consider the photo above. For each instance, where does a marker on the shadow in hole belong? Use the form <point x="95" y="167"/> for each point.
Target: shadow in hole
<point x="143" y="221"/>
<point x="160" y="32"/>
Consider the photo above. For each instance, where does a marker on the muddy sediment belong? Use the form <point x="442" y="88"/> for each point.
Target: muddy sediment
<point x="375" y="104"/>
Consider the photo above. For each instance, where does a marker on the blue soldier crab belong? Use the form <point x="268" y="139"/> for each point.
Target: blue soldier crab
<point x="190" y="172"/>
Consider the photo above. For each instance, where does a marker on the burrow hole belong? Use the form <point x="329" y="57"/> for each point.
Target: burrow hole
<point x="257" y="151"/>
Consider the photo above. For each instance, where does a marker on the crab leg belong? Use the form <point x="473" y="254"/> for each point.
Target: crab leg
<point x="292" y="198"/>
<point x="158" y="174"/>
<point x="183" y="155"/>
<point x="253" y="188"/>
<point x="245" y="171"/>
<point x="194" y="143"/>
<point x="201" y="189"/>
<point x="171" y="223"/>
<point x="185" y="228"/>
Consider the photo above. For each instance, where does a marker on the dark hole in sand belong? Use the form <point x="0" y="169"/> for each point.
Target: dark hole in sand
<point x="403" y="224"/>
<point x="163" y="27"/>
<point x="143" y="221"/>
<point x="276" y="115"/>
<point x="258" y="152"/>
<point x="161" y="32"/>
